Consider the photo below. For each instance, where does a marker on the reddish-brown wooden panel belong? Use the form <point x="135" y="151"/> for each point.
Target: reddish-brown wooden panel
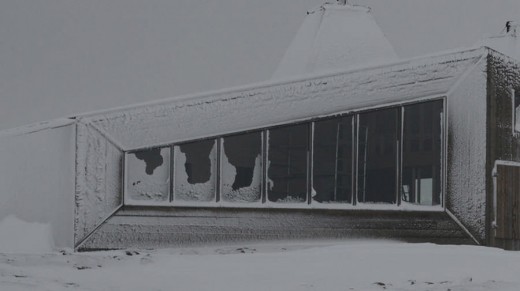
<point x="508" y="202"/>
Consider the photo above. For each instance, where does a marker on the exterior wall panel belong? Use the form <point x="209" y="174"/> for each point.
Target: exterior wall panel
<point x="466" y="181"/>
<point x="160" y="228"/>
<point x="98" y="180"/>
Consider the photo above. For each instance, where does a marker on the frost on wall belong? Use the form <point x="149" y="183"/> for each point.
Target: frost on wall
<point x="242" y="168"/>
<point x="98" y="179"/>
<point x="195" y="171"/>
<point x="148" y="176"/>
<point x="467" y="151"/>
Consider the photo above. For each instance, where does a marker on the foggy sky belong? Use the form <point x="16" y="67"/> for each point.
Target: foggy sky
<point x="61" y="57"/>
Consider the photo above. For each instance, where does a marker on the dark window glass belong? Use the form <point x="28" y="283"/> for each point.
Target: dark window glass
<point x="195" y="171"/>
<point x="377" y="156"/>
<point x="242" y="168"/>
<point x="287" y="172"/>
<point x="148" y="176"/>
<point x="421" y="182"/>
<point x="516" y="113"/>
<point x="332" y="160"/>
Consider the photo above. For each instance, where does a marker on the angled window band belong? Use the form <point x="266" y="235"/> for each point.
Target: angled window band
<point x="385" y="158"/>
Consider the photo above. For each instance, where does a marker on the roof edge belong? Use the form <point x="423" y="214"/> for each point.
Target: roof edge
<point x="476" y="51"/>
<point x="63" y="121"/>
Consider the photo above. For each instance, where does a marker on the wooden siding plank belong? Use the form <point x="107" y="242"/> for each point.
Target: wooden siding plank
<point x="508" y="202"/>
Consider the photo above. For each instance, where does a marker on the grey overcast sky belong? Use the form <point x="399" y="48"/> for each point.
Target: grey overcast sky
<point x="60" y="57"/>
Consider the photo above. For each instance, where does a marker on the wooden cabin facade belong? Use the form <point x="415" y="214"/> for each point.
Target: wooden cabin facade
<point x="419" y="150"/>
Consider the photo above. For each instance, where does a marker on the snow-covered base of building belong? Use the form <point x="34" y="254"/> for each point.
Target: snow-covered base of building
<point x="303" y="265"/>
<point x="162" y="228"/>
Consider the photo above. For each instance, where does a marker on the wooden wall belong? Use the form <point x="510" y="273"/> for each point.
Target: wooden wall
<point x="507" y="230"/>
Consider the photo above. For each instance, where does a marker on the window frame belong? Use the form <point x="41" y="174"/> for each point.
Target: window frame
<point x="309" y="204"/>
<point x="398" y="153"/>
<point x="130" y="202"/>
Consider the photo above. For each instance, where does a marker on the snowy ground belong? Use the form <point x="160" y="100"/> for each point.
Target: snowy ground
<point x="327" y="265"/>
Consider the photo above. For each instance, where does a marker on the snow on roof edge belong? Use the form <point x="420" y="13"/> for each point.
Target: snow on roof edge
<point x="63" y="121"/>
<point x="270" y="83"/>
<point x="496" y="52"/>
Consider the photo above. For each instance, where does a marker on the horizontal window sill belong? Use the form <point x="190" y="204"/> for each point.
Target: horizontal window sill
<point x="303" y="206"/>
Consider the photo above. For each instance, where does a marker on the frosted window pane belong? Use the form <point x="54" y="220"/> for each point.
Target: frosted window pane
<point x="287" y="172"/>
<point x="242" y="168"/>
<point x="422" y="153"/>
<point x="148" y="175"/>
<point x="377" y="156"/>
<point x="332" y="160"/>
<point x="195" y="171"/>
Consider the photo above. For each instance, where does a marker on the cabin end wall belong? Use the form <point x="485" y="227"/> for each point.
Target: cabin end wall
<point x="466" y="151"/>
<point x="98" y="192"/>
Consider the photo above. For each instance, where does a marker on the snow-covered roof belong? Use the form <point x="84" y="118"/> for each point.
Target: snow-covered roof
<point x="335" y="36"/>
<point x="276" y="102"/>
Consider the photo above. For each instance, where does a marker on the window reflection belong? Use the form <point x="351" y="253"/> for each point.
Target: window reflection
<point x="332" y="160"/>
<point x="287" y="173"/>
<point x="422" y="153"/>
<point x="377" y="156"/>
<point x="516" y="113"/>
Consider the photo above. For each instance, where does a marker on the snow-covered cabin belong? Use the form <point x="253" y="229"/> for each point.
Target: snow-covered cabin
<point x="346" y="140"/>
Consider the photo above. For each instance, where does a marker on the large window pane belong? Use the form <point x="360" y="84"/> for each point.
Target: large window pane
<point x="242" y="168"/>
<point x="422" y="153"/>
<point x="332" y="160"/>
<point x="148" y="176"/>
<point x="377" y="156"/>
<point x="287" y="172"/>
<point x="196" y="171"/>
